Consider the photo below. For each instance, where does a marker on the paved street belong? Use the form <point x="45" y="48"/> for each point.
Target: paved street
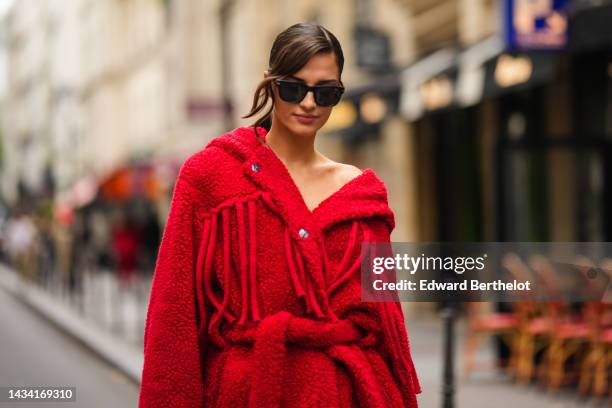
<point x="121" y="311"/>
<point x="32" y="352"/>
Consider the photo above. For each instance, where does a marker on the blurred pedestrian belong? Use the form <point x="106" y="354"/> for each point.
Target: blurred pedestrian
<point x="80" y="234"/>
<point x="100" y="244"/>
<point x="126" y="243"/>
<point x="4" y="256"/>
<point x="46" y="251"/>
<point x="151" y="236"/>
<point x="21" y="237"/>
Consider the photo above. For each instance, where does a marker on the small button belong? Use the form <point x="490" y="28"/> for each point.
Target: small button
<point x="303" y="233"/>
<point x="255" y="167"/>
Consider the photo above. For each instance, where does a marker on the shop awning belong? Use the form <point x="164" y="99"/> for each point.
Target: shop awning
<point x="452" y="78"/>
<point x="449" y="78"/>
<point x="129" y="182"/>
<point x="145" y="180"/>
<point x="426" y="84"/>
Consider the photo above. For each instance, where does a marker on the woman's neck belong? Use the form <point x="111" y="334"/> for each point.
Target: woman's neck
<point x="293" y="150"/>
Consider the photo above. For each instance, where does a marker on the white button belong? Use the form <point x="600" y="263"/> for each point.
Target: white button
<point x="255" y="167"/>
<point x="303" y="233"/>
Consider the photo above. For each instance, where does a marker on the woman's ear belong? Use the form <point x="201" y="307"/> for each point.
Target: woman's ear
<point x="266" y="73"/>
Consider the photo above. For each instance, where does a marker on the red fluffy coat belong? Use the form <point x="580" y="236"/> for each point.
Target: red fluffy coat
<point x="256" y="299"/>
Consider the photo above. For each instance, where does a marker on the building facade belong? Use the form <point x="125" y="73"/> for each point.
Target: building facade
<point x="475" y="140"/>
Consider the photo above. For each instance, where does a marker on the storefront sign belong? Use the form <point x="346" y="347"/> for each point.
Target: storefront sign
<point x="373" y="49"/>
<point x="535" y="24"/>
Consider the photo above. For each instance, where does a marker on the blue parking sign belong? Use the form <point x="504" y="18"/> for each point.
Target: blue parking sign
<point x="535" y="24"/>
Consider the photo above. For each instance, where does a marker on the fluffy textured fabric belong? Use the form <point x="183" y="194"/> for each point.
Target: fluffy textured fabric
<point x="256" y="299"/>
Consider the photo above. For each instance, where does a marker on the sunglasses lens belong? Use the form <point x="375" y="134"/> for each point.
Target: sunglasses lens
<point x="328" y="96"/>
<point x="294" y="92"/>
<point x="291" y="92"/>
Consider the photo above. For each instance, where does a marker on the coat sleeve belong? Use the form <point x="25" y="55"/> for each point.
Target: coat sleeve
<point x="395" y="335"/>
<point x="172" y="371"/>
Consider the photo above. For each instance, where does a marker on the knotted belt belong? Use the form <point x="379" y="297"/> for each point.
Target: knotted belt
<point x="340" y="340"/>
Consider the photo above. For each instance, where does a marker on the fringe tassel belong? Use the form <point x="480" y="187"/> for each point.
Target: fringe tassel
<point x="247" y="270"/>
<point x="313" y="303"/>
<point x="199" y="278"/>
<point x="349" y="248"/>
<point x="345" y="273"/>
<point x="325" y="263"/>
<point x="243" y="262"/>
<point x="253" y="257"/>
<point x="226" y="261"/>
<point x="302" y="283"/>
<point x="297" y="285"/>
<point x="221" y="307"/>
<point x="303" y="289"/>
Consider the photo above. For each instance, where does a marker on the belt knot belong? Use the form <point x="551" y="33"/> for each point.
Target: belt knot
<point x="341" y="340"/>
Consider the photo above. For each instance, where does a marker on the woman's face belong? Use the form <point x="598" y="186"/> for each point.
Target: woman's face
<point x="320" y="69"/>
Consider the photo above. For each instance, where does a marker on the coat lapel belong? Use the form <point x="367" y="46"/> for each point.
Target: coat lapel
<point x="362" y="197"/>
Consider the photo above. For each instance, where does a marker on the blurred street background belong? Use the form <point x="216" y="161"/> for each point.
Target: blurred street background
<point x="489" y="120"/>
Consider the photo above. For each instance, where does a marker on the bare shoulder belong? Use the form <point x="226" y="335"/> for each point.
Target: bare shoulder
<point x="343" y="172"/>
<point x="348" y="171"/>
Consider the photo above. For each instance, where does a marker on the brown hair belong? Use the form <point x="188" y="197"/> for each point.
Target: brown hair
<point x="292" y="49"/>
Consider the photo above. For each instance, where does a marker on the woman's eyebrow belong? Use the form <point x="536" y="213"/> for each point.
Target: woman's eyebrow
<point x="324" y="81"/>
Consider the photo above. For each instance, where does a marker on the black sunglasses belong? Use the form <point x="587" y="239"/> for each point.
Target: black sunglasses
<point x="294" y="92"/>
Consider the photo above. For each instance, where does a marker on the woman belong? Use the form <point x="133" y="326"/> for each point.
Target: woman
<point x="256" y="293"/>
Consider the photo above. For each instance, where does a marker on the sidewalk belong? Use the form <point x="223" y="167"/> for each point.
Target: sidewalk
<point x="486" y="387"/>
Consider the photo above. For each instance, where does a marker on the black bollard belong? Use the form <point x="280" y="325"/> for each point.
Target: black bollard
<point x="448" y="379"/>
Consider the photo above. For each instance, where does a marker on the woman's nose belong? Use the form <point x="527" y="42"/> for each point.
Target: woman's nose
<point x="308" y="101"/>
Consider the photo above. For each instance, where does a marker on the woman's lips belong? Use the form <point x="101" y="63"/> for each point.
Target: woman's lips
<point x="306" y="120"/>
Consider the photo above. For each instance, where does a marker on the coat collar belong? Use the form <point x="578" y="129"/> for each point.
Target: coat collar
<point x="363" y="196"/>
